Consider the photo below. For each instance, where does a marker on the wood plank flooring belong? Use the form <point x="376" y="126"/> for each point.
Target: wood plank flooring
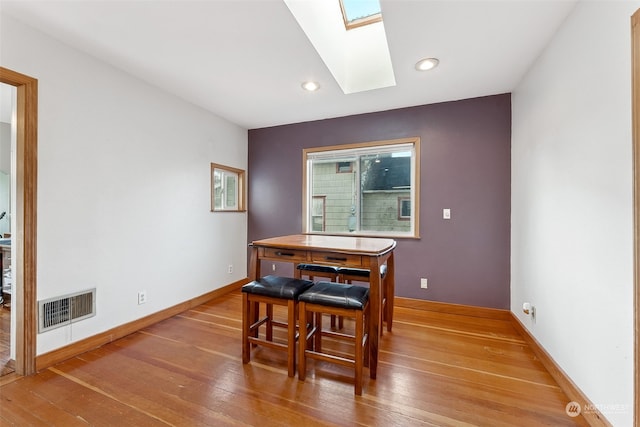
<point x="435" y="369"/>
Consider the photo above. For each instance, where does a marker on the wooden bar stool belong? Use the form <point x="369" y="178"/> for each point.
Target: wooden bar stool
<point x="340" y="300"/>
<point x="271" y="290"/>
<point x="349" y="275"/>
<point x="329" y="272"/>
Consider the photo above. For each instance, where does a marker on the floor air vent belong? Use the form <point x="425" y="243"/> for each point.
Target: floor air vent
<point x="61" y="311"/>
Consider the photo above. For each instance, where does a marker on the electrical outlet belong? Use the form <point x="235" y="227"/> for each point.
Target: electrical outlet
<point x="230" y="269"/>
<point x="423" y="283"/>
<point x="273" y="267"/>
<point x="142" y="297"/>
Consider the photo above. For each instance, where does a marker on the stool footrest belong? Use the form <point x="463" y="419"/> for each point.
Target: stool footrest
<point x="333" y="334"/>
<point x="326" y="357"/>
<point x="259" y="323"/>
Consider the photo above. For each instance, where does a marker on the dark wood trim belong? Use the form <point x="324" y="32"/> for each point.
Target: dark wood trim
<point x="443" y="307"/>
<point x="635" y="64"/>
<point x="51" y="358"/>
<point x="593" y="416"/>
<point x="25" y="215"/>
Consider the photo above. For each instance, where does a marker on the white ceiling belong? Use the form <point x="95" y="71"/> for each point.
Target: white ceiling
<point x="244" y="60"/>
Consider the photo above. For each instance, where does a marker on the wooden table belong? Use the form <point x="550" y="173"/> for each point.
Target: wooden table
<point x="343" y="251"/>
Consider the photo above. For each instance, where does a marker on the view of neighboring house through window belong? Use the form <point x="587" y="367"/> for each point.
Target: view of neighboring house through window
<point x="364" y="189"/>
<point x="317" y="213"/>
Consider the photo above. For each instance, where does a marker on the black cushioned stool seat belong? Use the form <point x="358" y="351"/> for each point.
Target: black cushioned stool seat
<point x="317" y="268"/>
<point x="271" y="290"/>
<point x="313" y="271"/>
<point x="361" y="272"/>
<point x="349" y="275"/>
<point x="277" y="287"/>
<point x="340" y="300"/>
<point x="336" y="295"/>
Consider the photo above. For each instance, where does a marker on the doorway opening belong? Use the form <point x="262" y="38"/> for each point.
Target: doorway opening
<point x="7" y="165"/>
<point x="23" y="234"/>
<point x="635" y="78"/>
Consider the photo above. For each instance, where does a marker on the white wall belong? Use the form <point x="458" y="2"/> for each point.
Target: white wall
<point x="572" y="224"/>
<point x="123" y="187"/>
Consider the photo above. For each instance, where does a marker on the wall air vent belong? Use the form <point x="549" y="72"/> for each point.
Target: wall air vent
<point x="62" y="311"/>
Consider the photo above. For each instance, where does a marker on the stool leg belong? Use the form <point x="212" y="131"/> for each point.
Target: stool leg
<point x="269" y="323"/>
<point x="292" y="308"/>
<point x="367" y="319"/>
<point x="254" y="315"/>
<point x="340" y="279"/>
<point x="317" y="337"/>
<point x="359" y="356"/>
<point x="309" y="325"/>
<point x="302" y="346"/>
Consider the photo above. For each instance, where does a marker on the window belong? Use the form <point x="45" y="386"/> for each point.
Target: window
<point x="404" y="208"/>
<point x="357" y="13"/>
<point x="344" y="167"/>
<point x="227" y="189"/>
<point x="363" y="189"/>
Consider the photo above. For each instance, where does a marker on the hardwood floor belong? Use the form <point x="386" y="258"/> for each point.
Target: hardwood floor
<point x="435" y="369"/>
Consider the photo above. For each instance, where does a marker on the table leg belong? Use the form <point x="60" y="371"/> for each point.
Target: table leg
<point x="375" y="307"/>
<point x="391" y="291"/>
<point x="254" y="265"/>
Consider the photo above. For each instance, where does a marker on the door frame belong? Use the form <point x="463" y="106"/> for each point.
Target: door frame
<point x="635" y="78"/>
<point x="24" y="240"/>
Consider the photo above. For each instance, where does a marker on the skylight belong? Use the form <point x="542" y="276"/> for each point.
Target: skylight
<point x="357" y="13"/>
<point x="358" y="60"/>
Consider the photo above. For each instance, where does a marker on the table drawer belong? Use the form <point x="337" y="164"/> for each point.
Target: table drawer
<point x="284" y="255"/>
<point x="336" y="259"/>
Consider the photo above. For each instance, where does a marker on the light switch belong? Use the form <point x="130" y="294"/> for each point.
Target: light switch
<point x="446" y="213"/>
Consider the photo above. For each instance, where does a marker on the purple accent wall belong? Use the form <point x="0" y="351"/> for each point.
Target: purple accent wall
<point x="465" y="166"/>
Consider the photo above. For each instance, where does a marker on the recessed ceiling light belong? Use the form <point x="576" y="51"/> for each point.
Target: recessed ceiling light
<point x="310" y="86"/>
<point x="427" y="64"/>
